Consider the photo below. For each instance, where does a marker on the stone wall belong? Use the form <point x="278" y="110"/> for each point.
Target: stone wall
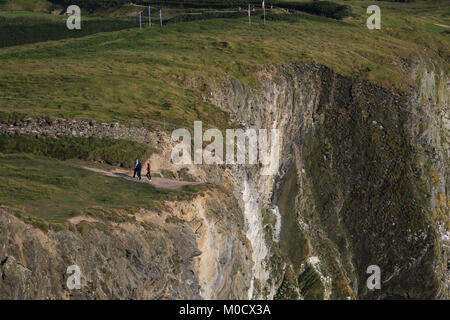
<point x="56" y="128"/>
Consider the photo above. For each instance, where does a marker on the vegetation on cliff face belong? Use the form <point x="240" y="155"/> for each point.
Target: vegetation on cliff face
<point x="293" y="243"/>
<point x="362" y="155"/>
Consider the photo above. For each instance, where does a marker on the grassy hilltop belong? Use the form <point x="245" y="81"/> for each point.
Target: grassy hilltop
<point x="145" y="76"/>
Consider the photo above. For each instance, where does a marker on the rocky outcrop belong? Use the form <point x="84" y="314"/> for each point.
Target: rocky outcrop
<point x="191" y="250"/>
<point x="119" y="262"/>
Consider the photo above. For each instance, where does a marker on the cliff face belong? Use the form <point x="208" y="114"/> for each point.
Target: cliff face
<point x="191" y="250"/>
<point x="362" y="180"/>
<point x="125" y="261"/>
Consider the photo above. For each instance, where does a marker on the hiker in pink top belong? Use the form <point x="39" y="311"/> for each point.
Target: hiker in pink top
<point x="149" y="168"/>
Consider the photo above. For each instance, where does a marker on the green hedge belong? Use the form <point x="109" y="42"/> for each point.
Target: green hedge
<point x="18" y="31"/>
<point x="322" y="8"/>
<point x="184" y="3"/>
<point x="208" y="3"/>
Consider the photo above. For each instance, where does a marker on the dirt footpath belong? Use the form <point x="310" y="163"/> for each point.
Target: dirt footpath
<point x="160" y="183"/>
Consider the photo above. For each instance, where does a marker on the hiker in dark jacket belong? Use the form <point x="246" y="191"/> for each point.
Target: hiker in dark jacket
<point x="149" y="168"/>
<point x="137" y="169"/>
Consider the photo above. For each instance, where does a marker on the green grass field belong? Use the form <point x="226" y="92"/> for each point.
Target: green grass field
<point x="147" y="76"/>
<point x="56" y="190"/>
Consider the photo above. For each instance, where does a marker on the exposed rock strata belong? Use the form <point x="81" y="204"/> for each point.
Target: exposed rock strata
<point x="371" y="169"/>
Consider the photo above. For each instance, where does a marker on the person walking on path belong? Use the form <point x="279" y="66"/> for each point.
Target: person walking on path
<point x="149" y="168"/>
<point x="137" y="169"/>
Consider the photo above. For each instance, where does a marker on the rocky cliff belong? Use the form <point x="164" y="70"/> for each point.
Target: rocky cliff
<point x="362" y="180"/>
<point x="189" y="250"/>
